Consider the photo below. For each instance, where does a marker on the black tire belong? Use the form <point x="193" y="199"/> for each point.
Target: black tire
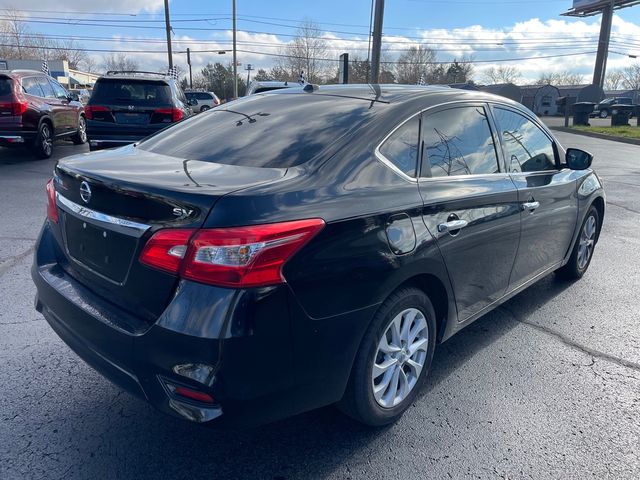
<point x="205" y="108"/>
<point x="604" y="113"/>
<point x="359" y="401"/>
<point x="80" y="137"/>
<point x="576" y="267"/>
<point x="43" y="146"/>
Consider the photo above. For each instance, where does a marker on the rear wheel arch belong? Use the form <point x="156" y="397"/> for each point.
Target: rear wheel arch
<point x="47" y="119"/>
<point x="434" y="288"/>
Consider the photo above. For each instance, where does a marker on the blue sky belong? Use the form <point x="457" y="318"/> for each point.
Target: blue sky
<point x="488" y="31"/>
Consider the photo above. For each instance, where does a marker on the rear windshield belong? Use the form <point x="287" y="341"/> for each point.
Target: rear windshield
<point x="131" y="92"/>
<point x="277" y="131"/>
<point x="6" y="86"/>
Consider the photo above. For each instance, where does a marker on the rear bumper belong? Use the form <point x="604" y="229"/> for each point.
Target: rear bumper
<point x="107" y="135"/>
<point x="264" y="358"/>
<point x="16" y="137"/>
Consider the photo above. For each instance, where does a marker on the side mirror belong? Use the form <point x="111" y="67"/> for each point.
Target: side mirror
<point x="578" y="159"/>
<point x="193" y="102"/>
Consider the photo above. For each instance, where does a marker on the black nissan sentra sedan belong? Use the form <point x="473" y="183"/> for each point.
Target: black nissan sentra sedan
<point x="305" y="247"/>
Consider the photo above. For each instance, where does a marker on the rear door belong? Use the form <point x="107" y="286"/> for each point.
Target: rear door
<point x="546" y="193"/>
<point x="68" y="114"/>
<point x="470" y="204"/>
<point x="55" y="106"/>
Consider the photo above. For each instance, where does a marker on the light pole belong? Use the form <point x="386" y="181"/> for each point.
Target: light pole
<point x="377" y="41"/>
<point x="235" y="58"/>
<point x="167" y="23"/>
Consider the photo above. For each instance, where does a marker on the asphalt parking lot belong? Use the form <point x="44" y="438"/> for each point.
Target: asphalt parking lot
<point x="547" y="386"/>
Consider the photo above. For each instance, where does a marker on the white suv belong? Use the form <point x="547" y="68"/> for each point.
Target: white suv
<point x="206" y="100"/>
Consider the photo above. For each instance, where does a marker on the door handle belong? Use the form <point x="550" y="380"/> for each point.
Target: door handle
<point x="531" y="206"/>
<point x="452" y="226"/>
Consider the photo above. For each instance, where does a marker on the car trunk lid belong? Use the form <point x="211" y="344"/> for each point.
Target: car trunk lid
<point x="111" y="203"/>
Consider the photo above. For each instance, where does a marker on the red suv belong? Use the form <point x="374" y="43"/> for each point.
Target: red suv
<point x="35" y="110"/>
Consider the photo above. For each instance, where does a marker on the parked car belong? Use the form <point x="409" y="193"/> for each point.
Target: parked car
<point x="35" y="110"/>
<point x="301" y="248"/>
<point x="603" y="109"/>
<point x="81" y="95"/>
<point x="127" y="106"/>
<point x="204" y="100"/>
<point x="267" y="86"/>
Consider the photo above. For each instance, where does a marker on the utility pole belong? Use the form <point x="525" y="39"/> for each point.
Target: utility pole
<point x="600" y="69"/>
<point x="168" y="27"/>
<point x="248" y="68"/>
<point x="377" y="41"/>
<point x="189" y="63"/>
<point x="235" y="58"/>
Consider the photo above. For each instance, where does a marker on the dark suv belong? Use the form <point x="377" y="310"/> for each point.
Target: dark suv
<point x="126" y="106"/>
<point x="293" y="249"/>
<point x="35" y="110"/>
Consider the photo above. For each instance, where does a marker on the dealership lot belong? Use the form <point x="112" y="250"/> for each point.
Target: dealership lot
<point x="547" y="386"/>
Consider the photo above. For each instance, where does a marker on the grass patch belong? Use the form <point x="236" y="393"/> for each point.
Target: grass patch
<point x="625" y="132"/>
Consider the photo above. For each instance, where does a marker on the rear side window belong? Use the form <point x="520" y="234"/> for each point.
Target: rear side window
<point x="31" y="86"/>
<point x="277" y="131"/>
<point x="458" y="142"/>
<point x="527" y="148"/>
<point x="6" y="86"/>
<point x="203" y="96"/>
<point x="131" y="92"/>
<point x="401" y="148"/>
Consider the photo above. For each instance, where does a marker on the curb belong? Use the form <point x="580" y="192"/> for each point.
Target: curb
<point x="602" y="136"/>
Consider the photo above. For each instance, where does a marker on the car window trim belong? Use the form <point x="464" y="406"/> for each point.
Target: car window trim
<point x="492" y="130"/>
<point x="542" y="128"/>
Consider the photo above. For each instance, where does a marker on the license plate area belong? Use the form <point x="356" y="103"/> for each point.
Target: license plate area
<point x="132" y="118"/>
<point x="102" y="250"/>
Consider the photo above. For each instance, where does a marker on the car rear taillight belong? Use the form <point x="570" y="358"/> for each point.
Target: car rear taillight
<point x="176" y="113"/>
<point x="250" y="256"/>
<point x="89" y="110"/>
<point x="52" y="211"/>
<point x="166" y="249"/>
<point x="16" y="108"/>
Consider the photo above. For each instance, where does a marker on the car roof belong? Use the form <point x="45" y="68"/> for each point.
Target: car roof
<point x="136" y="75"/>
<point x="21" y="72"/>
<point x="396" y="94"/>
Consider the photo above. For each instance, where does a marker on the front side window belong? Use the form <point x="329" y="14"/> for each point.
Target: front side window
<point x="458" y="141"/>
<point x="59" y="91"/>
<point x="401" y="148"/>
<point x="527" y="147"/>
<point x="46" y="87"/>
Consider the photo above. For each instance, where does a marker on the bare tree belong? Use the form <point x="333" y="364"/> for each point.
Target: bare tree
<point x="89" y="64"/>
<point x="501" y="74"/>
<point x="631" y="77"/>
<point x="413" y="63"/>
<point x="308" y="52"/>
<point x="560" y="78"/>
<point x="119" y="61"/>
<point x="613" y="80"/>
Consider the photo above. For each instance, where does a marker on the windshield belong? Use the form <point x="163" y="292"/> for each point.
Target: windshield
<point x="276" y="131"/>
<point x="131" y="92"/>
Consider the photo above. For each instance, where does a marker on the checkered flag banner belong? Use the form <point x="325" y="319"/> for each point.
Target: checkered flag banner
<point x="45" y="67"/>
<point x="173" y="73"/>
<point x="421" y="81"/>
<point x="301" y="79"/>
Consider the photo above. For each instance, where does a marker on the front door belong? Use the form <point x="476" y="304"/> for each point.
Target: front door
<point x="470" y="205"/>
<point x="546" y="193"/>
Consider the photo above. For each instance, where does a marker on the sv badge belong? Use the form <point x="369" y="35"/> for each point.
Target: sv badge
<point x="182" y="212"/>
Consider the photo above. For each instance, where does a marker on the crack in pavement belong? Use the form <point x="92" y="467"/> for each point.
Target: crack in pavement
<point x="575" y="345"/>
<point x="10" y="262"/>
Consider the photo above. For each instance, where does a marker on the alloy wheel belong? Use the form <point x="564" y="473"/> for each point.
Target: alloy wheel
<point x="587" y="241"/>
<point x="400" y="358"/>
<point x="82" y="130"/>
<point x="45" y="139"/>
